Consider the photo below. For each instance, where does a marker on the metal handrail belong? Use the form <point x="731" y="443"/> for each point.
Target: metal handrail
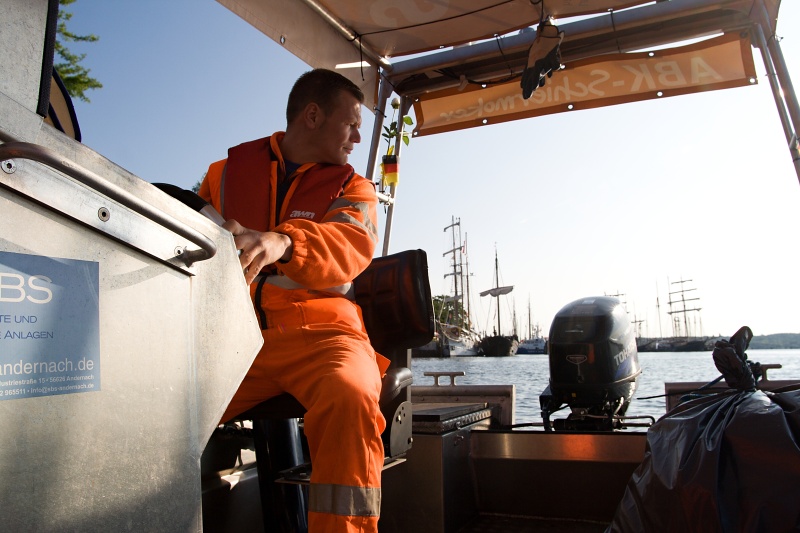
<point x="40" y="154"/>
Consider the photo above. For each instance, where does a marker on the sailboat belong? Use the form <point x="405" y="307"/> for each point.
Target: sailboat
<point x="535" y="343"/>
<point x="457" y="339"/>
<point x="497" y="344"/>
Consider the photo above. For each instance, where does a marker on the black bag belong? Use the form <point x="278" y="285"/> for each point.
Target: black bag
<point x="725" y="462"/>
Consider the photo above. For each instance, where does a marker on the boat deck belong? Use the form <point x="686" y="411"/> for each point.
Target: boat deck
<point x="491" y="523"/>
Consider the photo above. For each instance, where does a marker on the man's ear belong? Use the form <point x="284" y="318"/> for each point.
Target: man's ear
<point x="313" y="116"/>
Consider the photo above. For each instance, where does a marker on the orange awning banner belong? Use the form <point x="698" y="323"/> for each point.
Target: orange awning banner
<point x="719" y="63"/>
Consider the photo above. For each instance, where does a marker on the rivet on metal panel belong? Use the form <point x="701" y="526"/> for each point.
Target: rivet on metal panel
<point x="9" y="167"/>
<point x="103" y="214"/>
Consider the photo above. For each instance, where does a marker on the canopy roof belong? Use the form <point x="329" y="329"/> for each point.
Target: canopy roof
<point x="460" y="62"/>
<point x="425" y="48"/>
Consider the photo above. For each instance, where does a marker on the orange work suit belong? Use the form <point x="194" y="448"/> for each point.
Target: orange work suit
<point x="315" y="344"/>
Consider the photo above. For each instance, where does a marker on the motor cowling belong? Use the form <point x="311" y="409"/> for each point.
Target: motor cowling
<point x="594" y="364"/>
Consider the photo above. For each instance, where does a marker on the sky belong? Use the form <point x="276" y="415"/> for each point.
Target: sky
<point x="636" y="200"/>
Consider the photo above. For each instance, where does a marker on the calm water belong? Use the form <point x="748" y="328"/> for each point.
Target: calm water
<point x="530" y="374"/>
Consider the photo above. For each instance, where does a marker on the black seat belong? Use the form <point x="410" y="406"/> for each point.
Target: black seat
<point x="395" y="298"/>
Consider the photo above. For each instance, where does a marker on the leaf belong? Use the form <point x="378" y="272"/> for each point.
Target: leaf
<point x="405" y="139"/>
<point x="408" y="120"/>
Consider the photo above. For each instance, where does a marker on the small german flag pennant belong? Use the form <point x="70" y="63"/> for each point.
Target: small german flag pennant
<point x="390" y="170"/>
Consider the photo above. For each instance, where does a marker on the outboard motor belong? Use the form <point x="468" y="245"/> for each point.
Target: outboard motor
<point x="594" y="365"/>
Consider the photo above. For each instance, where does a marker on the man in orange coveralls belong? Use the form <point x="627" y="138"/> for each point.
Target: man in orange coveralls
<point x="306" y="226"/>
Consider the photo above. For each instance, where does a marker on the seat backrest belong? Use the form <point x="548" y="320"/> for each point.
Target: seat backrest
<point x="394" y="294"/>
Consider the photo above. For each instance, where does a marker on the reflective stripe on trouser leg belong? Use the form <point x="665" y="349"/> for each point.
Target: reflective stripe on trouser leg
<point x="344" y="500"/>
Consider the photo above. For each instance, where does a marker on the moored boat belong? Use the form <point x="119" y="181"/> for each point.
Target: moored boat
<point x="534" y="345"/>
<point x="676" y="344"/>
<point x="455" y="320"/>
<point x="497" y="344"/>
<point x="459" y="342"/>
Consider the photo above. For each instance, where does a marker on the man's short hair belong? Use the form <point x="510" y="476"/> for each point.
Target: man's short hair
<point x="322" y="87"/>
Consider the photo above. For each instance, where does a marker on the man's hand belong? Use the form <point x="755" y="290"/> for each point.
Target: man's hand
<point x="259" y="249"/>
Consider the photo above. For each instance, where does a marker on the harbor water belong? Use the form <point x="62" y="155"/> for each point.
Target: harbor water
<point x="530" y="374"/>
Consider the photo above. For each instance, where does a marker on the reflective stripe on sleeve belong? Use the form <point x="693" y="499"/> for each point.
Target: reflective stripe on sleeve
<point x="344" y="500"/>
<point x="362" y="207"/>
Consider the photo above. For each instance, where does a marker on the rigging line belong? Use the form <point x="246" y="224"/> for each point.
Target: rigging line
<point x="454" y="17"/>
<point x="707" y="385"/>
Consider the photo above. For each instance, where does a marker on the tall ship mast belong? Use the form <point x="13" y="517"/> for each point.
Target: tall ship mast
<point x="458" y="339"/>
<point x="680" y="313"/>
<point x="687" y="326"/>
<point x="497" y="344"/>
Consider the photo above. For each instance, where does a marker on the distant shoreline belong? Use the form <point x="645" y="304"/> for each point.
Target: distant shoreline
<point x="776" y="341"/>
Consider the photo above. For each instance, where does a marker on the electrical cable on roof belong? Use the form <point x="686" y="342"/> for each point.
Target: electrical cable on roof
<point x="361" y="56"/>
<point x="357" y="35"/>
<point x="542" y="16"/>
<point x="614" y="28"/>
<point x="449" y="74"/>
<point x="454" y="17"/>
<point x="500" y="48"/>
<point x="463" y="78"/>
